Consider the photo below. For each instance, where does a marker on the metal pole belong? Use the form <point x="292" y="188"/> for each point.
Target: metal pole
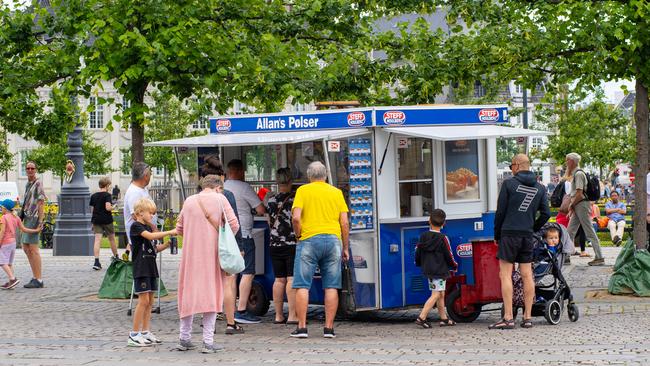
<point x="327" y="162"/>
<point x="180" y="173"/>
<point x="525" y="119"/>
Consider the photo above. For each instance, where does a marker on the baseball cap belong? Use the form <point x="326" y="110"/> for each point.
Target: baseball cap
<point x="8" y="204"/>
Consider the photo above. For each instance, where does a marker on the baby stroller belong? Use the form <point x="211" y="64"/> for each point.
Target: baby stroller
<point x="551" y="289"/>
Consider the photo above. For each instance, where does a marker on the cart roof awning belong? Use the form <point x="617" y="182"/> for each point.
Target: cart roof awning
<point x="447" y="133"/>
<point x="259" y="138"/>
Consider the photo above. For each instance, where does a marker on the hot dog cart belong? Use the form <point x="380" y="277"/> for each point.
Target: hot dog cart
<point x="394" y="165"/>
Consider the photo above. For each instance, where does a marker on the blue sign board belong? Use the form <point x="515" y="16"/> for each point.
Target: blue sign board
<point x="409" y="116"/>
<point x="319" y="120"/>
<point x="360" y="118"/>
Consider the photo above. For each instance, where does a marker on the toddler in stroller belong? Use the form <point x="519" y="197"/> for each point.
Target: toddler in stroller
<point x="551" y="289"/>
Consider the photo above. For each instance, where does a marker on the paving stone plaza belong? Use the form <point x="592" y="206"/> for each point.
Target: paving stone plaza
<point x="65" y="324"/>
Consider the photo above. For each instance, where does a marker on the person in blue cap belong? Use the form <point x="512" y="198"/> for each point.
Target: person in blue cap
<point x="10" y="224"/>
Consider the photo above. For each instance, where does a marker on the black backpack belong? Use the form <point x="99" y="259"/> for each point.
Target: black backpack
<point x="593" y="186"/>
<point x="558" y="195"/>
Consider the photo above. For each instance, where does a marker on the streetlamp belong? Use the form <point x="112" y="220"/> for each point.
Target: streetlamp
<point x="73" y="234"/>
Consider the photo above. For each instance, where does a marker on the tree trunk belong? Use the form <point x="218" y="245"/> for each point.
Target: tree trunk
<point x="137" y="125"/>
<point x="641" y="164"/>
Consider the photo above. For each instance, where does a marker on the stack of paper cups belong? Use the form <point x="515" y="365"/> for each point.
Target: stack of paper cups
<point x="416" y="206"/>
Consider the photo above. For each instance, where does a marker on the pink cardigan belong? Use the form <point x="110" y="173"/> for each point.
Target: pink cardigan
<point x="200" y="279"/>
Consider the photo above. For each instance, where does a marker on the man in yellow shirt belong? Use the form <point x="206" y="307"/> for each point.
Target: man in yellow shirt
<point x="320" y="222"/>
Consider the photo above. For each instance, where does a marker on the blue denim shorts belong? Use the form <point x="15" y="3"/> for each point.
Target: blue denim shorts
<point x="322" y="251"/>
<point x="248" y="245"/>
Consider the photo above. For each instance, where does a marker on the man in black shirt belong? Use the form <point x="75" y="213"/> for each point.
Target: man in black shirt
<point x="102" y="210"/>
<point x="520" y="198"/>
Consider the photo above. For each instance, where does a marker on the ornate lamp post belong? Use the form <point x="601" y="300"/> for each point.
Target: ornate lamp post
<point x="73" y="234"/>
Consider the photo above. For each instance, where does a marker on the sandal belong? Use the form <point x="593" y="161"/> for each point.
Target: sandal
<point x="234" y="329"/>
<point x="423" y="323"/>
<point x="283" y="321"/>
<point x="447" y="323"/>
<point x="527" y="323"/>
<point x="503" y="324"/>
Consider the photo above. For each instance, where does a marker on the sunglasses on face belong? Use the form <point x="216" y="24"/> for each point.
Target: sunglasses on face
<point x="30" y="168"/>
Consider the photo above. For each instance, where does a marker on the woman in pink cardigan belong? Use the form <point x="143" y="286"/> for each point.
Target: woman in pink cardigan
<point x="200" y="279"/>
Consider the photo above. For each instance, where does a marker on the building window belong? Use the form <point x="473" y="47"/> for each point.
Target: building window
<point x="201" y="124"/>
<point x="415" y="156"/>
<point x="125" y="103"/>
<point x="461" y="170"/>
<point x="96" y="117"/>
<point x="519" y="89"/>
<point x="479" y="90"/>
<point x="239" y="107"/>
<point x="22" y="161"/>
<point x="158" y="172"/>
<point x="537" y="143"/>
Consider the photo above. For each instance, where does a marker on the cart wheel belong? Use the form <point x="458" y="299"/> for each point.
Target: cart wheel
<point x="129" y="312"/>
<point x="553" y="312"/>
<point x="573" y="312"/>
<point x="258" y="301"/>
<point x="456" y="313"/>
<point x="515" y="310"/>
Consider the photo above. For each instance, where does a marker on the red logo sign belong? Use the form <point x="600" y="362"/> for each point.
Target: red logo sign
<point x="464" y="250"/>
<point x="394" y="118"/>
<point x="356" y="119"/>
<point x="488" y="115"/>
<point x="223" y="125"/>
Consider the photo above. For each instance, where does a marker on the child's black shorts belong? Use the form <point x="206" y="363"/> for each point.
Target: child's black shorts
<point x="145" y="284"/>
<point x="516" y="249"/>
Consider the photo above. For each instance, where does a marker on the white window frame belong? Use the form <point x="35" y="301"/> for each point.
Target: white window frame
<point x="96" y="117"/>
<point x="22" y="161"/>
<point x="479" y="89"/>
<point x="399" y="181"/>
<point x="203" y="123"/>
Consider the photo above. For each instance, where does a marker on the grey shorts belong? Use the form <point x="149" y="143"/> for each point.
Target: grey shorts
<point x="30" y="223"/>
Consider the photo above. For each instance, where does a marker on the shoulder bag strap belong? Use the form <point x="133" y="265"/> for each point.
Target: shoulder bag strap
<point x="207" y="215"/>
<point x="280" y="209"/>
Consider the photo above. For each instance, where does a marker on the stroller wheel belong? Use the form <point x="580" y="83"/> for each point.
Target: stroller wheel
<point x="573" y="312"/>
<point x="553" y="312"/>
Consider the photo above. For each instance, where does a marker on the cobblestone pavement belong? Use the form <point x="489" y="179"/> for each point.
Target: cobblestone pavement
<point x="63" y="324"/>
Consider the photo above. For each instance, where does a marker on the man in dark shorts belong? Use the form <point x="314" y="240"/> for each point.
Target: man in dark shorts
<point x="520" y="198"/>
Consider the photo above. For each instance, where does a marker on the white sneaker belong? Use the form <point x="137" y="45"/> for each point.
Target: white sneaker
<point x="151" y="338"/>
<point x="138" y="341"/>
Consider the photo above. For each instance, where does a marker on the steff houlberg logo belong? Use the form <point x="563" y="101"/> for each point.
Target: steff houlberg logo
<point x="488" y="115"/>
<point x="223" y="125"/>
<point x="356" y="119"/>
<point x="464" y="250"/>
<point x="392" y="118"/>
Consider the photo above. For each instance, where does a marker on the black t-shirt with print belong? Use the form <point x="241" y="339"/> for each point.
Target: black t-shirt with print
<point x="144" y="253"/>
<point x="101" y="216"/>
<point x="279" y="210"/>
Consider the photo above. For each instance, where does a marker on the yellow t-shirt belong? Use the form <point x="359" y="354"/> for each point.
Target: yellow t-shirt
<point x="322" y="205"/>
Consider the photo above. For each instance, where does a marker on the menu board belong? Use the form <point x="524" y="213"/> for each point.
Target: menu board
<point x="461" y="168"/>
<point x="360" y="167"/>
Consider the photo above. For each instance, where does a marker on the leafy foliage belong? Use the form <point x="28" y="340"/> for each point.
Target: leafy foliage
<point x="52" y="156"/>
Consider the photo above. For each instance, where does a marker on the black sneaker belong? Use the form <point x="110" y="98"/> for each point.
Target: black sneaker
<point x="34" y="283"/>
<point x="300" y="333"/>
<point x="328" y="333"/>
<point x="97" y="266"/>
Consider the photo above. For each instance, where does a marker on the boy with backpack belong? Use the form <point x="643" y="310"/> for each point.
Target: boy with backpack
<point x="433" y="255"/>
<point x="8" y="231"/>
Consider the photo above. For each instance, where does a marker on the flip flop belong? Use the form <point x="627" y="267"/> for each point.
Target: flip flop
<point x="447" y="323"/>
<point x="283" y="321"/>
<point x="503" y="324"/>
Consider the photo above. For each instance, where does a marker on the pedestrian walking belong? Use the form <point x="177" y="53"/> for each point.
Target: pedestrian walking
<point x="580" y="211"/>
<point x="282" y="247"/>
<point x="520" y="198"/>
<point x="433" y="255"/>
<point x="145" y="270"/>
<point x="320" y="222"/>
<point x="32" y="216"/>
<point x="101" y="207"/>
<point x="201" y="279"/>
<point x="8" y="232"/>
